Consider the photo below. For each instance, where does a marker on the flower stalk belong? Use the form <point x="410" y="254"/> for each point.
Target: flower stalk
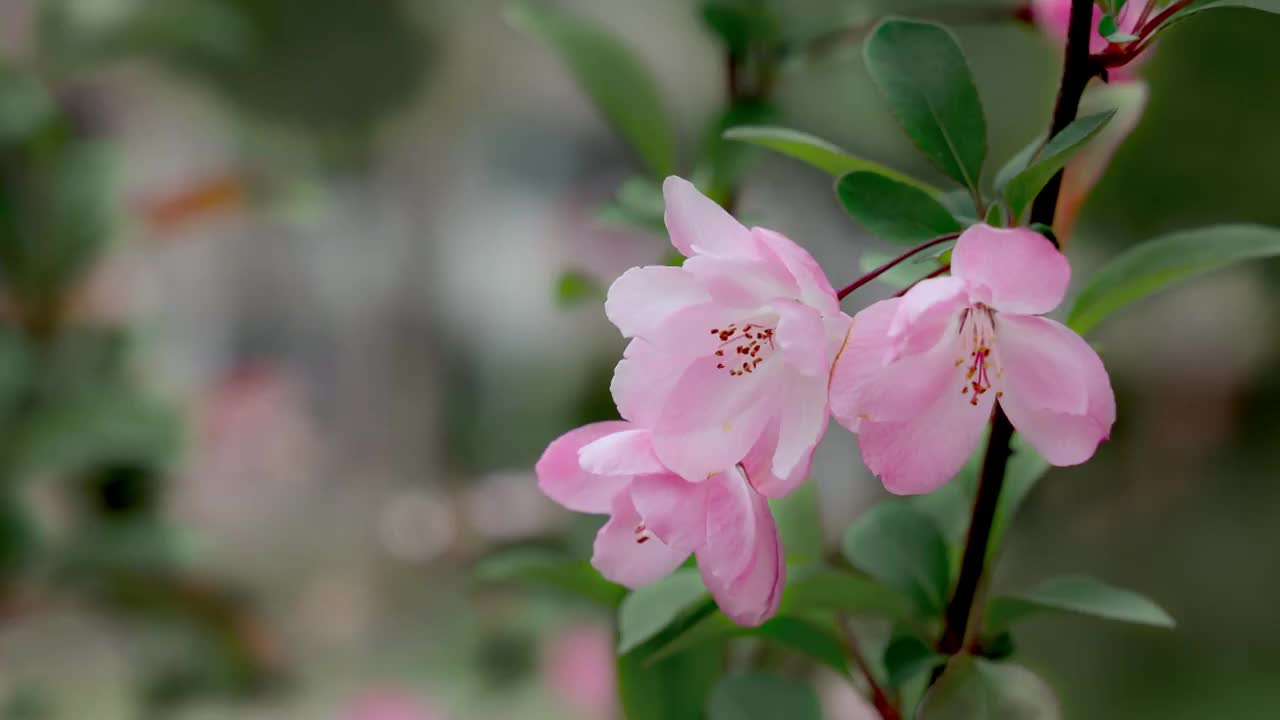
<point x="843" y="293"/>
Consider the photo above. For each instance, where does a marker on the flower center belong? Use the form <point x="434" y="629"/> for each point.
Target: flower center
<point x="977" y="336"/>
<point x="742" y="349"/>
<point x="643" y="535"/>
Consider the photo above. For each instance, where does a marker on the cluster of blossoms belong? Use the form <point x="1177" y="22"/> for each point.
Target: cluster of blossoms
<point x="738" y="358"/>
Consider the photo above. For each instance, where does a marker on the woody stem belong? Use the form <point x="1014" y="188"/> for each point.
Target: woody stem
<point x="1078" y="69"/>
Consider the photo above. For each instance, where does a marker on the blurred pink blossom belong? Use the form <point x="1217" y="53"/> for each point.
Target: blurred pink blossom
<point x="389" y="704"/>
<point x="578" y="667"/>
<point x="1052" y="17"/>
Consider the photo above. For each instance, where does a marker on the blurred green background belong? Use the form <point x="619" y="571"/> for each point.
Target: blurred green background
<point x="282" y="343"/>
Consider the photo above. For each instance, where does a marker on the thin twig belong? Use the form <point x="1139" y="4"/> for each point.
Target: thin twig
<point x="884" y="703"/>
<point x="844" y="292"/>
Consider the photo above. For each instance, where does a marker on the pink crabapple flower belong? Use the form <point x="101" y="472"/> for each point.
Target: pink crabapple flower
<point x="731" y="352"/>
<point x="919" y="375"/>
<point x="1053" y="16"/>
<point x="657" y="519"/>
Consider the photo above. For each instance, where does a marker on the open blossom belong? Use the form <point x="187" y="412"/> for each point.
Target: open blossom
<point x="919" y="375"/>
<point x="657" y="519"/>
<point x="732" y="352"/>
<point x="1053" y="16"/>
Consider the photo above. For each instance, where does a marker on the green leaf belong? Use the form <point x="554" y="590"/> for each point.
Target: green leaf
<point x="612" y="76"/>
<point x="1080" y="595"/>
<point x="808" y="638"/>
<point x="1020" y="189"/>
<point x="906" y="657"/>
<point x="761" y="696"/>
<point x="818" y="152"/>
<point x="24" y="104"/>
<point x="739" y="24"/>
<point x="997" y="216"/>
<point x="902" y="547"/>
<point x="892" y="210"/>
<point x="1024" y="470"/>
<point x="646" y="611"/>
<point x="549" y="568"/>
<point x="1108" y="29"/>
<point x="923" y="75"/>
<point x="93" y="425"/>
<point x="1163" y="261"/>
<point x="676" y="688"/>
<point x="973" y="689"/>
<point x="799" y="526"/>
<point x="54" y="225"/>
<point x="576" y="288"/>
<point x="1271" y="6"/>
<point x="829" y="590"/>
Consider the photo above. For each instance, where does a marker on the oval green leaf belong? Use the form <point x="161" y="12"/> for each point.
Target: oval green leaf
<point x="902" y="547"/>
<point x="1047" y="161"/>
<point x="892" y="210"/>
<point x="648" y="610"/>
<point x="1163" y="261"/>
<point x="817" y="152"/>
<point x="614" y="78"/>
<point x="1076" y="594"/>
<point x="925" y="78"/>
<point x="549" y="568"/>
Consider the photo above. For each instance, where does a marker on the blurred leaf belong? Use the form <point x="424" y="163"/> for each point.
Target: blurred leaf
<point x="112" y="549"/>
<point x="761" y="696"/>
<point x="26" y="702"/>
<point x="576" y="288"/>
<point x="892" y="210"/>
<point x="816" y="641"/>
<point x="721" y="162"/>
<point x="675" y="688"/>
<point x="901" y="547"/>
<point x="739" y="23"/>
<point x="25" y="104"/>
<point x="1080" y="595"/>
<point x="960" y="203"/>
<point x="817" y="152"/>
<point x="1024" y="470"/>
<point x="55" y="216"/>
<point x="1163" y="261"/>
<point x="550" y="569"/>
<point x="828" y="590"/>
<point x="648" y="610"/>
<point x="1271" y="6"/>
<point x="92" y="426"/>
<point x="972" y="689"/>
<point x="925" y="78"/>
<point x="799" y="525"/>
<point x="900" y="275"/>
<point x="615" y="79"/>
<point x="997" y="216"/>
<point x="906" y="657"/>
<point x="1020" y="189"/>
<point x="638" y="204"/>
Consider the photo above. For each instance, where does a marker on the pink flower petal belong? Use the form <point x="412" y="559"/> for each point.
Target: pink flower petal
<point x="673" y="509"/>
<point x="1063" y="438"/>
<point x="802" y="337"/>
<point x="626" y="554"/>
<point x="1013" y="270"/>
<point x="698" y="226"/>
<point x="1040" y="363"/>
<point x="711" y="418"/>
<point x="919" y="425"/>
<point x="561" y="477"/>
<point x="643" y="298"/>
<point x="627" y="453"/>
<point x="802" y="423"/>
<point x="758" y="465"/>
<point x="814" y="287"/>
<point x="745" y="283"/>
<point x="742" y="562"/>
<point x="924" y="314"/>
<point x="863" y="353"/>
